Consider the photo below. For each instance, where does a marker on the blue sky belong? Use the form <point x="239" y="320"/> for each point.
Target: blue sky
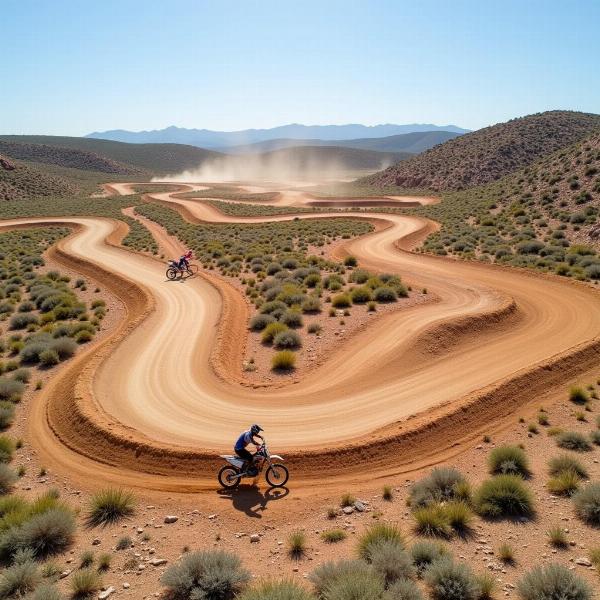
<point x="72" y="67"/>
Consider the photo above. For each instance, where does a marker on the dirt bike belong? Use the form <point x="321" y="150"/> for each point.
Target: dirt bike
<point x="173" y="270"/>
<point x="231" y="474"/>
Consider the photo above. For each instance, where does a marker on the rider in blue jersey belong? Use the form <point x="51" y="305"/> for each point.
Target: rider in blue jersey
<point x="245" y="439"/>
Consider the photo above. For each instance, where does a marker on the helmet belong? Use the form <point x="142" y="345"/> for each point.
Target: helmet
<point x="255" y="429"/>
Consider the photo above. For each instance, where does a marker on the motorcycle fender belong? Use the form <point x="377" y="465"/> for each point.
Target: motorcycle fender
<point x="277" y="457"/>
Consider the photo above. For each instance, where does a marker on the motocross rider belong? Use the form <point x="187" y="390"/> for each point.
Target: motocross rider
<point x="245" y="439"/>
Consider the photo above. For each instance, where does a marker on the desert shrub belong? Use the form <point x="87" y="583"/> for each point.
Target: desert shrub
<point x="287" y="339"/>
<point x="506" y="553"/>
<point x="49" y="357"/>
<point x="595" y="437"/>
<point x="327" y="573"/>
<point x="31" y="352"/>
<point x="83" y="336"/>
<point x="123" y="543"/>
<point x="459" y="515"/>
<point x="109" y="506"/>
<point x="7" y="448"/>
<point x="504" y="496"/>
<point x="385" y="294"/>
<point x="587" y="504"/>
<point x="442" y="484"/>
<point x="7" y="478"/>
<point x="350" y="261"/>
<point x="206" y="574"/>
<point x="291" y="318"/>
<point x="311" y="305"/>
<point x="565" y="463"/>
<point x="347" y="499"/>
<point x="276" y="590"/>
<point x="7" y="414"/>
<point x="573" y="440"/>
<point x="432" y="520"/>
<point x="448" y="580"/>
<point x="332" y="536"/>
<point x="65" y="347"/>
<point x="297" y="543"/>
<point x="376" y="534"/>
<point x="43" y="534"/>
<point x="314" y="328"/>
<point x="557" y="537"/>
<point x="578" y="395"/>
<point x="355" y="586"/>
<point x="391" y="561"/>
<point x="22" y="375"/>
<point x="22" y="320"/>
<point x="11" y="389"/>
<point x="508" y="459"/>
<point x="86" y="559"/>
<point x="26" y="306"/>
<point x="84" y="583"/>
<point x="19" y="579"/>
<point x="283" y="360"/>
<point x="259" y="322"/>
<point x="404" y="589"/>
<point x="359" y="276"/>
<point x="361" y="295"/>
<point x="425" y="553"/>
<point x="104" y="561"/>
<point x="46" y="592"/>
<point x="275" y="308"/>
<point x="564" y="484"/>
<point x="341" y="301"/>
<point x="271" y="330"/>
<point x="552" y="582"/>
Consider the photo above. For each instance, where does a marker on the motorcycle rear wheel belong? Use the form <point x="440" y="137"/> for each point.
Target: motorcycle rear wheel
<point x="277" y="475"/>
<point x="171" y="273"/>
<point x="225" y="475"/>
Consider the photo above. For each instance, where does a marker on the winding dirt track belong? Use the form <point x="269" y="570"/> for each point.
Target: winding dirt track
<point x="149" y="407"/>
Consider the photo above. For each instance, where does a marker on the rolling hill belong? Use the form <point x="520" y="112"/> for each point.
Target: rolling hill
<point x="488" y="154"/>
<point x="222" y="140"/>
<point x="406" y="142"/>
<point x="155" y="159"/>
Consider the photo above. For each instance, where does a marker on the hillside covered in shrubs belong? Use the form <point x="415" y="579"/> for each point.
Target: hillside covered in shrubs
<point x="488" y="154"/>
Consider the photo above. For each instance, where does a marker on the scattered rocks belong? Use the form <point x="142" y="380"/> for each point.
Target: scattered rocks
<point x="582" y="561"/>
<point x="359" y="506"/>
<point x="254" y="538"/>
<point x="157" y="562"/>
<point x="106" y="593"/>
<point x="171" y="519"/>
<point x="348" y="510"/>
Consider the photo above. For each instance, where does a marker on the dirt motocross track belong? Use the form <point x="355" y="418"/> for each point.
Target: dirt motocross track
<point x="153" y="405"/>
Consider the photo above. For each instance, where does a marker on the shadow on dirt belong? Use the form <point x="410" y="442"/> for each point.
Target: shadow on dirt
<point x="252" y="501"/>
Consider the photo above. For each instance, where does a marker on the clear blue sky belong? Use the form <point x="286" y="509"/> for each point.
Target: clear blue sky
<point x="71" y="67"/>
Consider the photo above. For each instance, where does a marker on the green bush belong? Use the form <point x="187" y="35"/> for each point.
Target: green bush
<point x="327" y="573"/>
<point x="7" y="414"/>
<point x="552" y="582"/>
<point x="341" y="301"/>
<point x="573" y="440"/>
<point x="287" y="339"/>
<point x="19" y="579"/>
<point x="587" y="504"/>
<point x="508" y="459"/>
<point x="49" y="358"/>
<point x="391" y="561"/>
<point x="109" y="506"/>
<point x="385" y="294"/>
<point x="441" y="485"/>
<point x="564" y="484"/>
<point x="292" y="318"/>
<point x="355" y="586"/>
<point x="311" y="305"/>
<point x="206" y="574"/>
<point x="65" y="347"/>
<point x="276" y="590"/>
<point x="7" y="478"/>
<point x="284" y="360"/>
<point x="432" y="520"/>
<point x="7" y="448"/>
<point x="22" y="375"/>
<point x="448" y="580"/>
<point x="331" y="536"/>
<point x="83" y="336"/>
<point x="259" y="322"/>
<point x="377" y="533"/>
<point x="425" y="553"/>
<point x="297" y="543"/>
<point x="10" y="389"/>
<point x="271" y="330"/>
<point x="503" y="496"/>
<point x="22" y="320"/>
<point x="578" y="395"/>
<point x="361" y="295"/>
<point x="405" y="589"/>
<point x="84" y="583"/>
<point x="595" y="437"/>
<point x="564" y="462"/>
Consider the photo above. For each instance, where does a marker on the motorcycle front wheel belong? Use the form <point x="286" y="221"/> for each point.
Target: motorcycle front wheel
<point x="171" y="273"/>
<point x="227" y="477"/>
<point x="192" y="270"/>
<point x="277" y="475"/>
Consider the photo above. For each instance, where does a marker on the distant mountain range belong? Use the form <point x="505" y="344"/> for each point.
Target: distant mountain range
<point x="222" y="140"/>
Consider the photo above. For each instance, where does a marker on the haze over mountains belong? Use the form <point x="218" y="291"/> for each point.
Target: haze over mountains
<point x="222" y="140"/>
